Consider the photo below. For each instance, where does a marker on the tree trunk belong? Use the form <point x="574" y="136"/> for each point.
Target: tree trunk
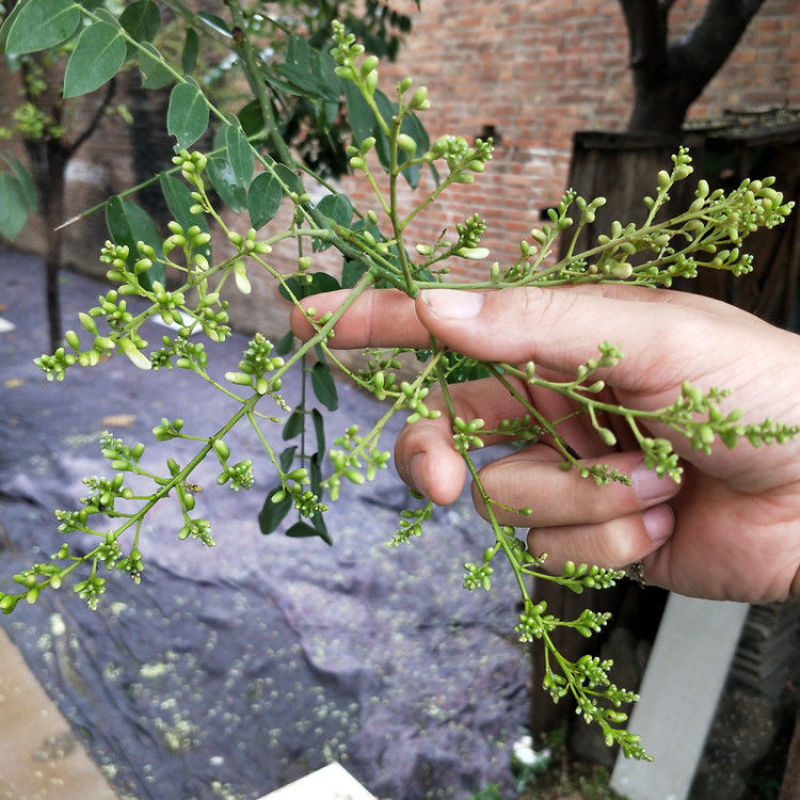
<point x="54" y="217"/>
<point x="669" y="76"/>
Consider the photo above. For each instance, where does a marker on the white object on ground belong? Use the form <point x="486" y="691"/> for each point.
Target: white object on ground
<point x="333" y="782"/>
<point x="685" y="675"/>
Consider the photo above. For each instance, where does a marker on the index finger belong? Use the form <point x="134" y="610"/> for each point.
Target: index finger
<point x="377" y="318"/>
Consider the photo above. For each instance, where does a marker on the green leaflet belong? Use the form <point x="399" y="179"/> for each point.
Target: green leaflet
<point x="40" y="24"/>
<point x="179" y="201"/>
<point x="220" y="173"/>
<point x="25" y="182"/>
<point x="187" y="116"/>
<point x="13" y="206"/>
<point x="191" y="49"/>
<point x="128" y="224"/>
<point x="240" y="155"/>
<point x="272" y="514"/>
<point x="264" y="199"/>
<point x="338" y="208"/>
<point x="324" y="386"/>
<point x="302" y="530"/>
<point x="141" y="20"/>
<point x="96" y="59"/>
<point x="154" y="74"/>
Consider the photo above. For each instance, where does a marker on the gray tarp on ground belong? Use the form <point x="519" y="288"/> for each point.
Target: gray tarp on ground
<point x="230" y="672"/>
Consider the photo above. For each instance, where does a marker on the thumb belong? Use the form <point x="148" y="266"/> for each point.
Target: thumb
<point x="561" y="328"/>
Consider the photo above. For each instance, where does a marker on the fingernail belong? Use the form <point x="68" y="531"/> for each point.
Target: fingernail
<point x="415" y="471"/>
<point x="453" y="303"/>
<point x="658" y="522"/>
<point x="648" y="486"/>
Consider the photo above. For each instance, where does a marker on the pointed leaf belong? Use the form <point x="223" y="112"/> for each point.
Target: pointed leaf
<point x="302" y="530"/>
<point x="187" y="116"/>
<point x="272" y="514"/>
<point x="352" y="272"/>
<point x="322" y="530"/>
<point x="97" y="58"/>
<point x="215" y="23"/>
<point x="128" y="224"/>
<point x="286" y="457"/>
<point x="240" y="155"/>
<point x="290" y="178"/>
<point x="324" y="386"/>
<point x="13" y="206"/>
<point x="191" y="49"/>
<point x="336" y="207"/>
<point x="359" y="114"/>
<point x="179" y="201"/>
<point x="319" y="429"/>
<point x="40" y="24"/>
<point x="25" y="183"/>
<point x="141" y="20"/>
<point x="321" y="282"/>
<point x="294" y="425"/>
<point x="264" y="199"/>
<point x="220" y="173"/>
<point x="251" y="119"/>
<point x="285" y="344"/>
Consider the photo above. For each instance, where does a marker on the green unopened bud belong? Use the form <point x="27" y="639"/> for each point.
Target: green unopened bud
<point x="240" y="276"/>
<point x="369" y="64"/>
<point x="221" y="449"/>
<point x="88" y="322"/>
<point x="371" y="81"/>
<point x="406" y="143"/>
<point x="71" y="338"/>
<point x="473" y="253"/>
<point x="137" y="357"/>
<point x="419" y="100"/>
<point x="239" y="378"/>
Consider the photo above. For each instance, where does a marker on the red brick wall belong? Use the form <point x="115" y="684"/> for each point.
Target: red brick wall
<point x="538" y="71"/>
<point x="535" y="70"/>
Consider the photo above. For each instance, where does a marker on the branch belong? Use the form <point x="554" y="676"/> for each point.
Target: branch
<point x="95" y="121"/>
<point x="707" y="46"/>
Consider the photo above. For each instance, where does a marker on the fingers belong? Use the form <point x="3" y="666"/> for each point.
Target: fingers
<point x="613" y="544"/>
<point x="561" y="329"/>
<point x="573" y="518"/>
<point x="424" y="454"/>
<point x="381" y="318"/>
<point x="534" y="479"/>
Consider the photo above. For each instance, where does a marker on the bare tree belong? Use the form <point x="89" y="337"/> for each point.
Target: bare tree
<point x="669" y="76"/>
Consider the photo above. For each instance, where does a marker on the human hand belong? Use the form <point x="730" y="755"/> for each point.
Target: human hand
<point x="729" y="530"/>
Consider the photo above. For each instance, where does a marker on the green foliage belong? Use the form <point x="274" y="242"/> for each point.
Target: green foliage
<point x="174" y="273"/>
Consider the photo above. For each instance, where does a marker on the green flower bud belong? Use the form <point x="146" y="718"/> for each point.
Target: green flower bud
<point x="240" y="276"/>
<point x="221" y="449"/>
<point x="369" y="64"/>
<point x="239" y="378"/>
<point x="419" y="100"/>
<point x="406" y="143"/>
<point x="371" y="81"/>
<point x="139" y="359"/>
